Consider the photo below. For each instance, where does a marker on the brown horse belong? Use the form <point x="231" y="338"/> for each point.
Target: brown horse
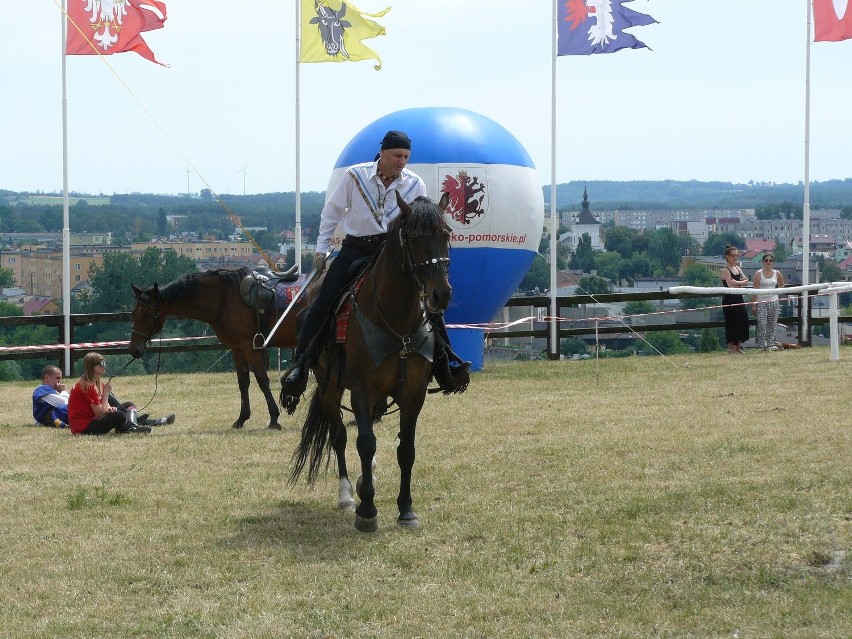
<point x="387" y="353"/>
<point x="214" y="297"/>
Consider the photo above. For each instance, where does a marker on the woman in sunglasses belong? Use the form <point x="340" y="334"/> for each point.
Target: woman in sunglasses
<point x="89" y="409"/>
<point x="766" y="306"/>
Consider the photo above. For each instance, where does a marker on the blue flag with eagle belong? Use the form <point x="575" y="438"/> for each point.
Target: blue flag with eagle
<point x="597" y="26"/>
<point x="333" y="31"/>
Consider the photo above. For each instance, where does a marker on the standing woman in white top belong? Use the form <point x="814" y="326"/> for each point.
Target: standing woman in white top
<point x="766" y="306"/>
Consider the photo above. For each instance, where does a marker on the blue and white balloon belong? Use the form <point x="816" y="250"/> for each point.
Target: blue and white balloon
<point x="496" y="206"/>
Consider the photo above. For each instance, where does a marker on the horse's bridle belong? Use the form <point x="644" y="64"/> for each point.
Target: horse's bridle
<point x="411" y="267"/>
<point x="147" y="337"/>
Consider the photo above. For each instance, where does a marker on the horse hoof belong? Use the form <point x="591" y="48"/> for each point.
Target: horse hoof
<point x="366" y="525"/>
<point x="409" y="520"/>
<point x="237" y="425"/>
<point x="346" y="505"/>
<point x="274" y="426"/>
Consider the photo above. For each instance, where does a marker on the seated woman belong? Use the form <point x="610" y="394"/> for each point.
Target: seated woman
<point x="89" y="409"/>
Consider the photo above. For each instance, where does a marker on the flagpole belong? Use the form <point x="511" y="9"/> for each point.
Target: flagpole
<point x="298" y="230"/>
<point x="553" y="352"/>
<point x="806" y="209"/>
<point x="66" y="226"/>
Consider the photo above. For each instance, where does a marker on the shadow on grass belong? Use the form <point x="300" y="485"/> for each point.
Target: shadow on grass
<point x="309" y="528"/>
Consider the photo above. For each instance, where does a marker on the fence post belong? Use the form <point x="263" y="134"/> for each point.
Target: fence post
<point x="809" y="325"/>
<point x="804" y="311"/>
<point x="834" y="333"/>
<point x="69" y="372"/>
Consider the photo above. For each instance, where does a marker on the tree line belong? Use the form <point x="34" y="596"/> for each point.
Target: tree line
<point x="138" y="217"/>
<point x="141" y="216"/>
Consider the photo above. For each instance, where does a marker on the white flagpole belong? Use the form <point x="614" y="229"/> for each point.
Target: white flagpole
<point x="298" y="229"/>
<point x="806" y="210"/>
<point x="554" y="224"/>
<point x="66" y="226"/>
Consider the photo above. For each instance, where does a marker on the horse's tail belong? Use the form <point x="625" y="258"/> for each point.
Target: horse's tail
<point x="314" y="444"/>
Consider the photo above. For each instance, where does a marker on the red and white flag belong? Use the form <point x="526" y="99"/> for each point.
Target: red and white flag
<point x="112" y="26"/>
<point x="832" y="20"/>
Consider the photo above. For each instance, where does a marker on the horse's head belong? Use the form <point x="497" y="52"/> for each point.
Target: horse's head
<point x="425" y="240"/>
<point x="147" y="320"/>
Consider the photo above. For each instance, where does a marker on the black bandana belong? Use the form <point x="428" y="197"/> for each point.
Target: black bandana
<point x="396" y="140"/>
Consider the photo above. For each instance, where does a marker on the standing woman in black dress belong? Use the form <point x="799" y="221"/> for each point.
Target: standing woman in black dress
<point x="733" y="306"/>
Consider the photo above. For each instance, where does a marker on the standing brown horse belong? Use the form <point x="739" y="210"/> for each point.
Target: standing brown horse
<point x="214" y="297"/>
<point x="387" y="353"/>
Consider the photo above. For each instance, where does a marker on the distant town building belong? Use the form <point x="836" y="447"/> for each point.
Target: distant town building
<point x="200" y="250"/>
<point x="90" y="239"/>
<point x="585" y="223"/>
<point x="39" y="272"/>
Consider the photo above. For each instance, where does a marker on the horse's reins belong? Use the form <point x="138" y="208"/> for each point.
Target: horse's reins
<point x="159" y="354"/>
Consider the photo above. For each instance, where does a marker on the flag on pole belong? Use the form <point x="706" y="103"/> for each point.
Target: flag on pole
<point x="597" y="26"/>
<point x="108" y="26"/>
<point x="832" y="20"/>
<point x="334" y="31"/>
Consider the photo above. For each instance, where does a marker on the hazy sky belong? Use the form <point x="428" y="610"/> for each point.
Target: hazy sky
<point x="720" y="97"/>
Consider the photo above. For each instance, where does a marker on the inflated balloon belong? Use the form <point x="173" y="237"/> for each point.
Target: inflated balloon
<point x="496" y="207"/>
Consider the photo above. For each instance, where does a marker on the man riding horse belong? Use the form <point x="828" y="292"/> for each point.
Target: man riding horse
<point x="361" y="203"/>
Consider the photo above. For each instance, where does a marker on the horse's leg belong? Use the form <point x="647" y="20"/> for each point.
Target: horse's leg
<point x="243" y="382"/>
<point x="330" y="402"/>
<point x="345" y="493"/>
<point x="366" y="514"/>
<point x="259" y="365"/>
<point x="408" y="413"/>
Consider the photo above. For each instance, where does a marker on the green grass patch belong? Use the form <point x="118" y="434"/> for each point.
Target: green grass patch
<point x="690" y="496"/>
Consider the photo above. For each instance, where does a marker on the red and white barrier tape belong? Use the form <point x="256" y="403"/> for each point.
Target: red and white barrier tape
<point x="87" y="345"/>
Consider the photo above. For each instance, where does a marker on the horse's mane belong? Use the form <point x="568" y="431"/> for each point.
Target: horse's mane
<point x="426" y="219"/>
<point x="187" y="285"/>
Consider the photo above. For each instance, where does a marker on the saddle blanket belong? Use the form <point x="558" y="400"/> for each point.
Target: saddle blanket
<point x="345" y="308"/>
<point x="285" y="292"/>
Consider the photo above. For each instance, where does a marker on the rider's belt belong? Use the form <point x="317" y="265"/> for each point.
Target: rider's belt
<point x="365" y="242"/>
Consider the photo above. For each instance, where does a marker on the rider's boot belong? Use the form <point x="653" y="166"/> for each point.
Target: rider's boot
<point x="451" y="379"/>
<point x="296" y="380"/>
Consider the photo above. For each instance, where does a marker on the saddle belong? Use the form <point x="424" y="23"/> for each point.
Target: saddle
<point x="260" y="290"/>
<point x="258" y="287"/>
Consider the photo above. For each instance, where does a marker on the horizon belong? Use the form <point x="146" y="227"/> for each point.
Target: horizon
<point x="751" y="184"/>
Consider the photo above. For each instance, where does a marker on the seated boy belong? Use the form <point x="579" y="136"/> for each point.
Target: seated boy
<point x="50" y="399"/>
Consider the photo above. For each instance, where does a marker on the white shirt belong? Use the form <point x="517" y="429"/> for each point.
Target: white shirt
<point x="56" y="399"/>
<point x="362" y="204"/>
<point x="768" y="282"/>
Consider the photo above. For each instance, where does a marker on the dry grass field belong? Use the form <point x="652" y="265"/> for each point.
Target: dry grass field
<point x="690" y="496"/>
